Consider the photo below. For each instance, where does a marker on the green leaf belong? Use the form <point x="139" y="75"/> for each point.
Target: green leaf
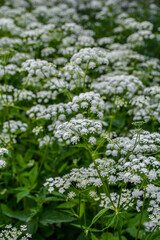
<point x="67" y="205"/>
<point x="119" y="122"/>
<point x="20" y="160"/>
<point x="134" y="221"/>
<point x="20" y="215"/>
<point x="94" y="237"/>
<point x="28" y="156"/>
<point x="21" y="195"/>
<point x="33" y="174"/>
<point x="62" y="167"/>
<point x="99" y="214"/>
<point x="78" y="226"/>
<point x="59" y="194"/>
<point x="50" y="217"/>
<point x="132" y="231"/>
<point x="110" y="222"/>
<point x="111" y="236"/>
<point x="155" y="236"/>
<point x="52" y="199"/>
<point x="89" y="229"/>
<point x="107" y="236"/>
<point x="32" y="227"/>
<point x="82" y="209"/>
<point x="25" y="181"/>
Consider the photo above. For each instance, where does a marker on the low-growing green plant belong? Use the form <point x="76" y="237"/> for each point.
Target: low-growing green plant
<point x="80" y="119"/>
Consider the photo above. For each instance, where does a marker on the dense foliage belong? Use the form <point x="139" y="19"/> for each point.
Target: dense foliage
<point x="80" y="119"/>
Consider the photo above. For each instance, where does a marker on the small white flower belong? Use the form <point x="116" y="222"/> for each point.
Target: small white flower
<point x="92" y="140"/>
<point x="71" y="195"/>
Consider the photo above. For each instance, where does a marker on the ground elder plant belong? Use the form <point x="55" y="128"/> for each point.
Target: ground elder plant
<point x="80" y="119"/>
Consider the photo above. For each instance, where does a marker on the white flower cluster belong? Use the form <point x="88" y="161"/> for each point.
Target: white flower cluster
<point x="7" y="25"/>
<point x="146" y="106"/>
<point x="46" y="96"/>
<point x="21" y="95"/>
<point x="46" y="140"/>
<point x="90" y="57"/>
<point x="142" y="143"/>
<point x="3" y="151"/>
<point x="72" y="28"/>
<point x="114" y="172"/>
<point x="12" y="233"/>
<point x="74" y="130"/>
<point x="10" y="42"/>
<point x="85" y="41"/>
<point x="46" y="52"/>
<point x="12" y="95"/>
<point x="6" y="99"/>
<point x="122" y="59"/>
<point x="73" y="75"/>
<point x="2" y="163"/>
<point x="7" y="138"/>
<point x="153" y="193"/>
<point x="35" y="111"/>
<point x="70" y="77"/>
<point x="130" y="166"/>
<point x="105" y="41"/>
<point x="38" y="68"/>
<point x="90" y="101"/>
<point x="18" y="58"/>
<point x="76" y="74"/>
<point x="13" y="126"/>
<point x="137" y="39"/>
<point x="10" y="69"/>
<point x="81" y="177"/>
<point x="37" y="130"/>
<point x="117" y="85"/>
<point x="135" y="170"/>
<point x="87" y="104"/>
<point x="131" y="23"/>
<point x="124" y="201"/>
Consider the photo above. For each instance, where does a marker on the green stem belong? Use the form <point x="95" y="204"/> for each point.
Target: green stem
<point x="119" y="231"/>
<point x="105" y="184"/>
<point x="79" y="212"/>
<point x="110" y="126"/>
<point x="111" y="122"/>
<point x="140" y="222"/>
<point x="99" y="146"/>
<point x="85" y="224"/>
<point x="84" y="79"/>
<point x="43" y="158"/>
<point x="151" y="233"/>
